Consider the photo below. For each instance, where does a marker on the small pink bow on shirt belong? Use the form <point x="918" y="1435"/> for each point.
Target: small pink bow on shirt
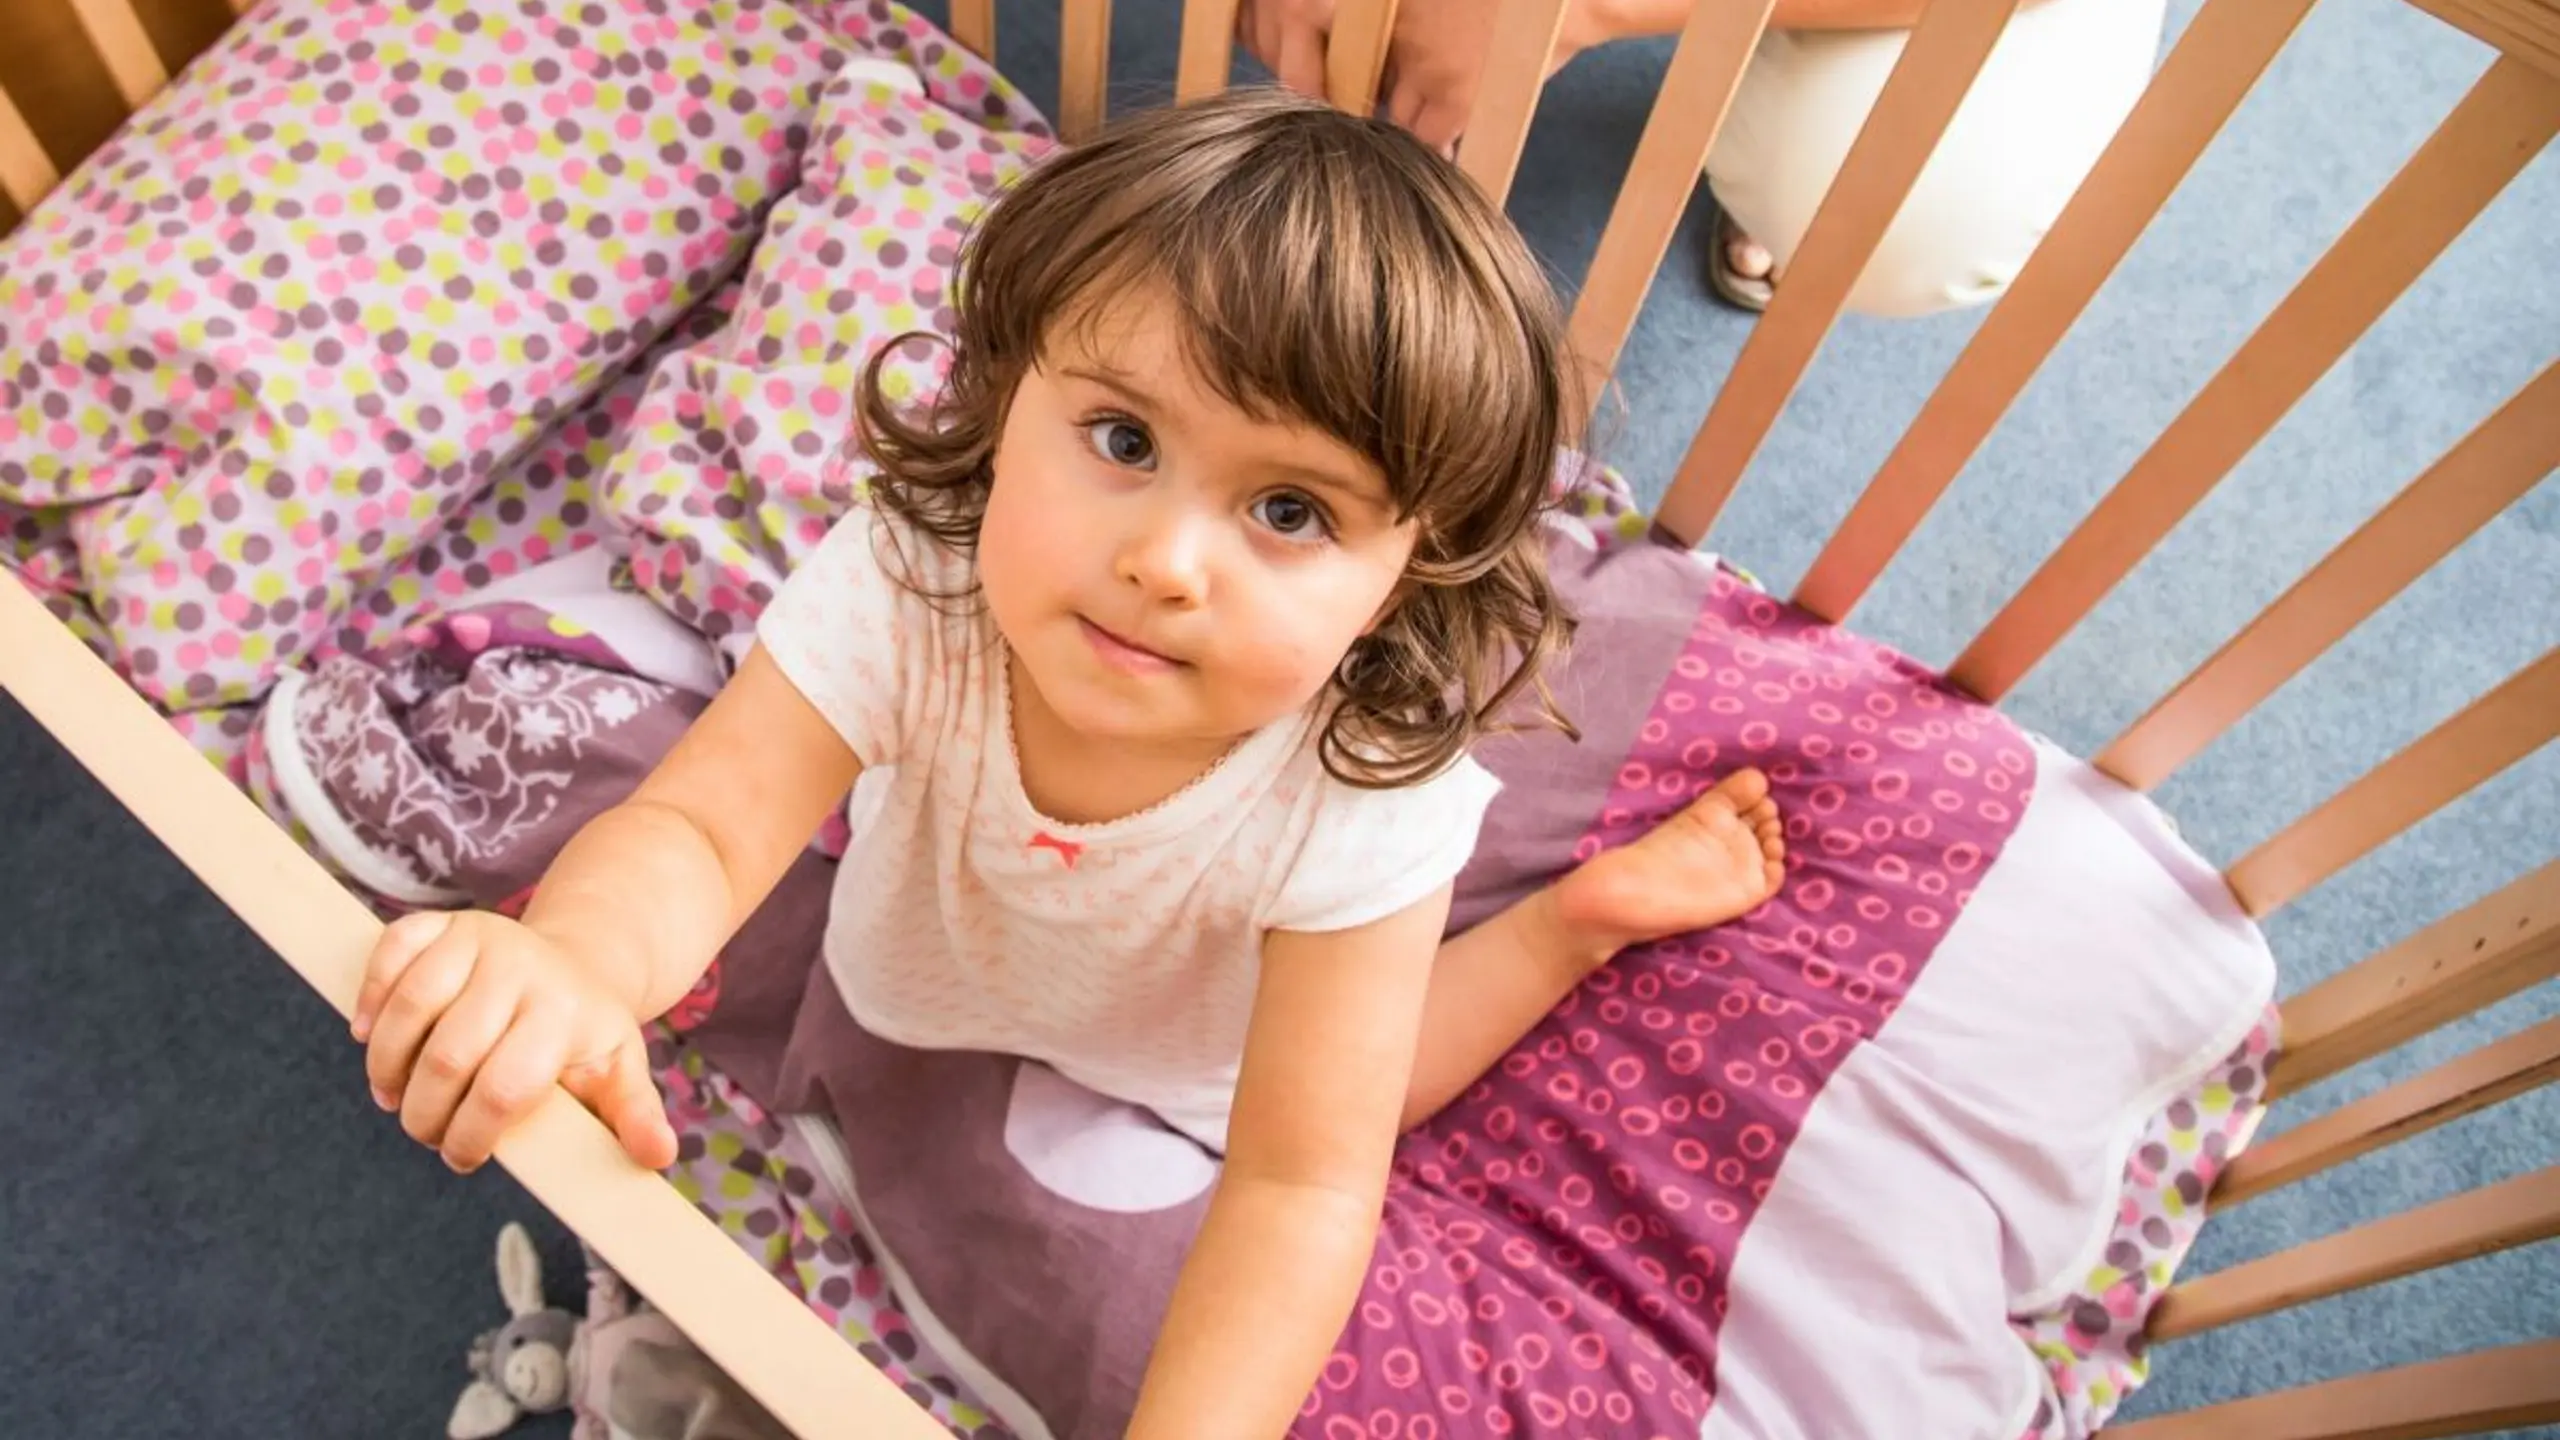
<point x="1068" y="850"/>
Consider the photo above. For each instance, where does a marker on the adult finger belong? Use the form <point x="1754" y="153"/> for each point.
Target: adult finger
<point x="399" y="946"/>
<point x="427" y="987"/>
<point x="519" y="1072"/>
<point x="617" y="1087"/>
<point x="1438" y="124"/>
<point x="449" y="1062"/>
<point x="1301" y="64"/>
<point x="1404" y="97"/>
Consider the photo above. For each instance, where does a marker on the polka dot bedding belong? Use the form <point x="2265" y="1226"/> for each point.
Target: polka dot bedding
<point x="372" y="313"/>
<point x="287" y="323"/>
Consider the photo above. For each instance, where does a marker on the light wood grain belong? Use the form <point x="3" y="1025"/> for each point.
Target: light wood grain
<point x="2488" y="735"/>
<point x="2463" y="1227"/>
<point x="26" y="173"/>
<point x="2485" y="1077"/>
<point x="2217" y="60"/>
<point x="973" y="24"/>
<point x="1355" y="54"/>
<point x="2466" y="961"/>
<point x="752" y="1328"/>
<point x="2463" y="1395"/>
<point x="2529" y="30"/>
<point x="117" y="33"/>
<point x="1515" y="75"/>
<point x="2489" y="470"/>
<point x="1929" y="81"/>
<point x="1697" y="89"/>
<point x="2496" y="129"/>
<point x="1208" y="49"/>
<point x="1084" y="67"/>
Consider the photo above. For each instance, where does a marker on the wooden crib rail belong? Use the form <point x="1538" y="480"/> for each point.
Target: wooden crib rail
<point x="2465" y="962"/>
<point x="2215" y="64"/>
<point x="2463" y="1227"/>
<point x="1084" y="61"/>
<point x="1706" y="69"/>
<point x="2492" y="467"/>
<point x="26" y="172"/>
<point x="973" y="24"/>
<point x="2488" y="735"/>
<point x="2493" y="1073"/>
<point x="2488" y="138"/>
<point x="116" y="33"/>
<point x="1515" y="73"/>
<point x="2463" y="1395"/>
<point x="1208" y="48"/>
<point x="754" y="1329"/>
<point x="2488" y="951"/>
<point x="1937" y="67"/>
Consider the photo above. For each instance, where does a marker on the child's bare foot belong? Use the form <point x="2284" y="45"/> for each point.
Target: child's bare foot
<point x="1714" y="861"/>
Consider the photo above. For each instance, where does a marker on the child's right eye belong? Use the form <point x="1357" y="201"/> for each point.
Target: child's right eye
<point x="1122" y="442"/>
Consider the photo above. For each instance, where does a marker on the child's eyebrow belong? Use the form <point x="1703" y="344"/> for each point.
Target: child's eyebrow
<point x="1118" y="384"/>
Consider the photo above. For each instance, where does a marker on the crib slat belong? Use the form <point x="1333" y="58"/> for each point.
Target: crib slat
<point x="973" y="24"/>
<point x="120" y="40"/>
<point x="2526" y="29"/>
<point x="1084" y="67"/>
<point x="1208" y="49"/>
<point x="1515" y="74"/>
<point x="2485" y="1077"/>
<point x="2465" y="962"/>
<point x="2463" y="1227"/>
<point x="2460" y="1395"/>
<point x="26" y="172"/>
<point x="2498" y="127"/>
<point x="2490" y="734"/>
<point x="751" y="1327"/>
<point x="1930" y="79"/>
<point x="1705" y="69"/>
<point x="2217" y="61"/>
<point x="2490" y="469"/>
<point x="1355" y="54"/>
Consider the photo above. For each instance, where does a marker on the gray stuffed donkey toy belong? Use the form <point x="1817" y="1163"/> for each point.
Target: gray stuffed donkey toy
<point x="522" y="1367"/>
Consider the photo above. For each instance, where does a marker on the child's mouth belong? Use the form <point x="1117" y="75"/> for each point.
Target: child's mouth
<point x="1125" y="655"/>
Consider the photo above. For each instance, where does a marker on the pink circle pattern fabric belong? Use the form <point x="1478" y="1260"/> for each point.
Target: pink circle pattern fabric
<point x="1556" y="1245"/>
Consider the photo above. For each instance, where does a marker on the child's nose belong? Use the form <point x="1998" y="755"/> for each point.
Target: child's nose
<point x="1168" y="556"/>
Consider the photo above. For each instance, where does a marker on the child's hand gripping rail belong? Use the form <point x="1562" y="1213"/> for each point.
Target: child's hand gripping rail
<point x="783" y="1354"/>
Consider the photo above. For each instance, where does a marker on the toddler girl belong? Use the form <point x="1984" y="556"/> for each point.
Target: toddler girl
<point x="1158" y="645"/>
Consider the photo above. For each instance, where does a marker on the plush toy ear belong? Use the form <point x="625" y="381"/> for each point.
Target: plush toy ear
<point x="519" y="1271"/>
<point x="483" y="1411"/>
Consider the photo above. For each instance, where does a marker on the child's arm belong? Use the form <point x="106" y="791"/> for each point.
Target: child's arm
<point x="650" y="890"/>
<point x="1272" y="1278"/>
<point x="468" y="1019"/>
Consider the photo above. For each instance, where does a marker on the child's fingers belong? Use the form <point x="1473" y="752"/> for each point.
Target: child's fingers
<point x="427" y="986"/>
<point x="455" y="1049"/>
<point x="618" y="1089"/>
<point x="519" y="1072"/>
<point x="401" y="942"/>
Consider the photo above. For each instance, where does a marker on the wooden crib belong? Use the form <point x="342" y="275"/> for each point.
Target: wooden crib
<point x="87" y="63"/>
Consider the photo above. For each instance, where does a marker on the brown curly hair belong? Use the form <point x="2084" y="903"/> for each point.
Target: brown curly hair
<point x="1327" y="270"/>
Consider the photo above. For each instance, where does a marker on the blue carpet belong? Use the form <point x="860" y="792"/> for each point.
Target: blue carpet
<point x="271" y="1258"/>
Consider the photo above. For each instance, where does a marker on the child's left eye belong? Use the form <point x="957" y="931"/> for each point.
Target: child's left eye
<point x="1122" y="442"/>
<point x="1291" y="516"/>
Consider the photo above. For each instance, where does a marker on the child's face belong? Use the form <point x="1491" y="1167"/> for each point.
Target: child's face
<point x="1170" y="571"/>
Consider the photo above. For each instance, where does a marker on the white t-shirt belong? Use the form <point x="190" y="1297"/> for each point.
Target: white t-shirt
<point x="1123" y="954"/>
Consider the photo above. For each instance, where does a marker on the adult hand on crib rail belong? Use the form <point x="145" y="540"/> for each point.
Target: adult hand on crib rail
<point x="469" y="1018"/>
<point x="1434" y="58"/>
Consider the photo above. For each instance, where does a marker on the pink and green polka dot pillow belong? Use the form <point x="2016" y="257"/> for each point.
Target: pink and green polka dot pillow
<point x="305" y="307"/>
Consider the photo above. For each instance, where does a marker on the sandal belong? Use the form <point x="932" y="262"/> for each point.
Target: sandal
<point x="1742" y="292"/>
